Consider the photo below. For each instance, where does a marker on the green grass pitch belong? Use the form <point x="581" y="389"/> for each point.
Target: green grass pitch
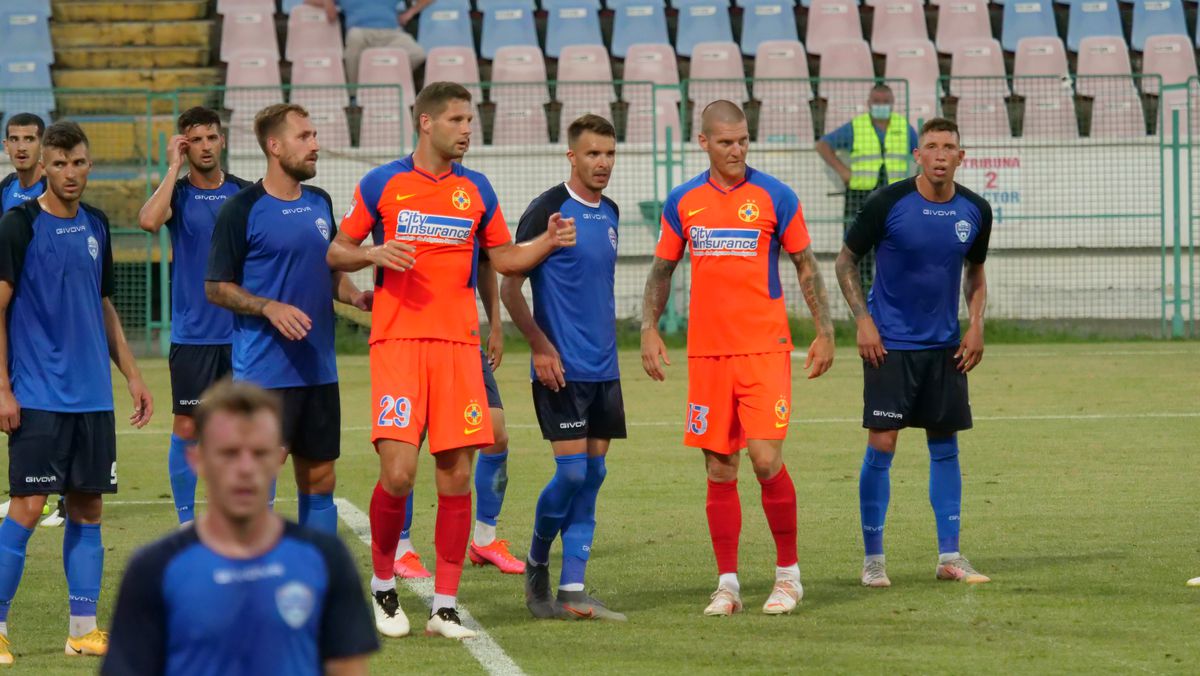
<point x="1080" y="500"/>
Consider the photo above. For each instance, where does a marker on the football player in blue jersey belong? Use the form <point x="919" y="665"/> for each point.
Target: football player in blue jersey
<point x="201" y="333"/>
<point x="23" y="143"/>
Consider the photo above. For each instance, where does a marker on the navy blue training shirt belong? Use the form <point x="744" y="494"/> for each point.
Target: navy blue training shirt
<point x="60" y="269"/>
<point x="13" y="195"/>
<point x="186" y="610"/>
<point x="573" y="301"/>
<point x="920" y="247"/>
<point x="276" y="249"/>
<point x="194" y="320"/>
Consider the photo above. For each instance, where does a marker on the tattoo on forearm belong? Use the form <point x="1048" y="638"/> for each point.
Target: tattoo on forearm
<point x="235" y="298"/>
<point x="849" y="280"/>
<point x="658" y="291"/>
<point x="814" y="290"/>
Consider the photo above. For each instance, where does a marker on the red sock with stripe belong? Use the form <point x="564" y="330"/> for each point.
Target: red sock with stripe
<point x="724" y="523"/>
<point x="387" y="520"/>
<point x="450" y="537"/>
<point x="779" y="504"/>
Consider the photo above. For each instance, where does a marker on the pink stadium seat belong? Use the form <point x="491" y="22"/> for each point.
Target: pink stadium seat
<point x="847" y="75"/>
<point x="831" y="21"/>
<point x="897" y="21"/>
<point x="384" y="128"/>
<point x="646" y="119"/>
<point x="915" y="62"/>
<point x="1116" y="116"/>
<point x="977" y="69"/>
<point x="248" y="30"/>
<point x="1050" y="117"/>
<point x="324" y="70"/>
<point x="333" y="131"/>
<point x="253" y="69"/>
<point x="385" y="65"/>
<point x="782" y="121"/>
<point x="519" y="64"/>
<point x="1044" y="57"/>
<point x="650" y="63"/>
<point x="1171" y="57"/>
<point x="454" y="64"/>
<point x="228" y="6"/>
<point x="309" y="30"/>
<point x="983" y="118"/>
<point x="716" y="74"/>
<point x="241" y="130"/>
<point x="961" y="21"/>
<point x="519" y="123"/>
<point x="580" y="68"/>
<point x="1102" y="62"/>
<point x="782" y="59"/>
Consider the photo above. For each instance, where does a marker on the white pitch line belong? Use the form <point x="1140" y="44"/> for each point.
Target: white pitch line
<point x="483" y="647"/>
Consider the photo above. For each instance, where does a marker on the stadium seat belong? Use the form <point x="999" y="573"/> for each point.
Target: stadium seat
<point x="21" y="74"/>
<point x="385" y="66"/>
<point x="288" y="5"/>
<point x="333" y="129"/>
<point x="650" y="63"/>
<point x="917" y="64"/>
<point x="309" y="30"/>
<point x="445" y="23"/>
<point x="39" y="7"/>
<point x="26" y="35"/>
<point x="785" y="122"/>
<point x="983" y="118"/>
<point x="1117" y="117"/>
<point x="1171" y="57"/>
<point x="507" y="23"/>
<point x="248" y="29"/>
<point x="319" y="80"/>
<point x="584" y="83"/>
<point x="648" y="121"/>
<point x="519" y="64"/>
<point x="784" y="115"/>
<point x="386" y="128"/>
<point x="228" y="6"/>
<point x="831" y="21"/>
<point x="701" y="21"/>
<point x="897" y="21"/>
<point x="977" y="70"/>
<point x="457" y="64"/>
<point x="847" y="75"/>
<point x="1036" y="60"/>
<point x="960" y="21"/>
<point x="519" y="123"/>
<point x="716" y="73"/>
<point x="1103" y="67"/>
<point x="259" y="70"/>
<point x="1093" y="18"/>
<point x="637" y="22"/>
<point x="1156" y="17"/>
<point x="1050" y="117"/>
<point x="1027" y="19"/>
<point x="571" y="22"/>
<point x="765" y="20"/>
<point x="877" y="3"/>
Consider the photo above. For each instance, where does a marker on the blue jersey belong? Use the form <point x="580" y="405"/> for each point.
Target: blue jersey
<point x="276" y="250"/>
<point x="920" y="247"/>
<point x="194" y="320"/>
<point x="13" y="195"/>
<point x="60" y="269"/>
<point x="186" y="610"/>
<point x="573" y="301"/>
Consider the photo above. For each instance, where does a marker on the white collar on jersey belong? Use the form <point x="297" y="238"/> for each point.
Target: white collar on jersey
<point x="577" y="198"/>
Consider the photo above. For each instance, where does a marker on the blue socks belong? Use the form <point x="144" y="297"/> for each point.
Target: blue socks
<point x="408" y="511"/>
<point x="13" y="539"/>
<point x="554" y="503"/>
<point x="491" y="479"/>
<point x="945" y="491"/>
<point x="83" y="561"/>
<point x="580" y="526"/>
<point x="874" y="491"/>
<point x="318" y="512"/>
<point x="183" y="479"/>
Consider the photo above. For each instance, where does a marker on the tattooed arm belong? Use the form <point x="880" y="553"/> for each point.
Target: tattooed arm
<point x="820" y="353"/>
<point x="658" y="290"/>
<point x="870" y="345"/>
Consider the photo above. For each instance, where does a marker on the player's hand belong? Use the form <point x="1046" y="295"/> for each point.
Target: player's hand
<point x="654" y="354"/>
<point x="970" y="351"/>
<point x="495" y="347"/>
<point x="820" y="356"/>
<point x="870" y="345"/>
<point x="392" y="255"/>
<point x="364" y="300"/>
<point x="288" y="320"/>
<point x="143" y="403"/>
<point x="10" y="412"/>
<point x="547" y="365"/>
<point x="176" y="151"/>
<point x="561" y="230"/>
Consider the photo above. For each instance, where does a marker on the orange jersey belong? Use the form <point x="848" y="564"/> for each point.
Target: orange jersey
<point x="735" y="235"/>
<point x="447" y="218"/>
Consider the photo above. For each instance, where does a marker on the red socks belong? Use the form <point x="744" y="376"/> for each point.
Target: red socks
<point x="450" y="537"/>
<point x="725" y="523"/>
<point x="779" y="504"/>
<point x="387" y="521"/>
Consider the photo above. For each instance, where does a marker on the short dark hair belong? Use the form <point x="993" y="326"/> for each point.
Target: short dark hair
<point x="593" y="123"/>
<point x="881" y="87"/>
<point x="64" y="135"/>
<point x="238" y="398"/>
<point x="940" y="124"/>
<point x="270" y="119"/>
<point x="198" y="116"/>
<point x="435" y="96"/>
<point x="26" y="120"/>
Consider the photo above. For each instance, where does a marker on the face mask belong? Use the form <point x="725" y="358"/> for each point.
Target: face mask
<point x="881" y="111"/>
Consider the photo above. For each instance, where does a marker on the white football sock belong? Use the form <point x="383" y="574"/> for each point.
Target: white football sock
<point x="4" y="628"/>
<point x="873" y="557"/>
<point x="82" y="624"/>
<point x="574" y="586"/>
<point x="948" y="556"/>
<point x="404" y="547"/>
<point x="791" y="572"/>
<point x="485" y="534"/>
<point x="378" y="585"/>
<point x="444" y="601"/>
<point x="729" y="581"/>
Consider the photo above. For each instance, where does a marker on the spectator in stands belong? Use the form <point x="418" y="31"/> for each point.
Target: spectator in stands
<point x="374" y="23"/>
<point x="876" y="159"/>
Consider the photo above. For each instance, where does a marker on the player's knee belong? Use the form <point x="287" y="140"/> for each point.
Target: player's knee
<point x="457" y="476"/>
<point x="571" y="476"/>
<point x="720" y="472"/>
<point x="942" y="447"/>
<point x="184" y="427"/>
<point x="765" y="468"/>
<point x="397" y="481"/>
<point x="501" y="441"/>
<point x="596" y="474"/>
<point x="883" y="441"/>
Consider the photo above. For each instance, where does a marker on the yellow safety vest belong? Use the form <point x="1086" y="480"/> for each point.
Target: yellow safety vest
<point x="866" y="156"/>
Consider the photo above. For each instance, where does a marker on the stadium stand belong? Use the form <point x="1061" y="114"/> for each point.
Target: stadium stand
<point x="248" y="29"/>
<point x="585" y="83"/>
<point x="637" y="22"/>
<point x="1171" y="57"/>
<point x="1093" y="18"/>
<point x="26" y="33"/>
<point x="960" y="21"/>
<point x="225" y="7"/>
<point x="767" y="20"/>
<point x="977" y="70"/>
<point x="701" y="21"/>
<point x="1026" y="20"/>
<point x="457" y="64"/>
<point x="916" y="63"/>
<point x="847" y="71"/>
<point x="385" y="66"/>
<point x="1156" y="17"/>
<point x="717" y="73"/>
<point x="507" y="23"/>
<point x="572" y="22"/>
<point x="895" y="22"/>
<point x="519" y="75"/>
<point x="309" y="30"/>
<point x="445" y="23"/>
<point x="830" y="22"/>
<point x="784" y="114"/>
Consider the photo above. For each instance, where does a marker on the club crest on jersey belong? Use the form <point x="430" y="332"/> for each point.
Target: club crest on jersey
<point x="723" y="241"/>
<point x="612" y="237"/>
<point x="323" y="227"/>
<point x="473" y="414"/>
<point x="461" y="200"/>
<point x="963" y="230"/>
<point x="295" y="603"/>
<point x="748" y="212"/>
<point x="781" y="409"/>
<point x="434" y="228"/>
<point x="93" y="247"/>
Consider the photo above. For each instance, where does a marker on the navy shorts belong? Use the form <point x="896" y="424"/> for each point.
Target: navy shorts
<point x="489" y="383"/>
<point x="312" y="421"/>
<point x="54" y="453"/>
<point x="580" y="411"/>
<point x="194" y="369"/>
<point x="916" y="388"/>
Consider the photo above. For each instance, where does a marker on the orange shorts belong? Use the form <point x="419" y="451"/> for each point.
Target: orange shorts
<point x="434" y="384"/>
<point x="732" y="399"/>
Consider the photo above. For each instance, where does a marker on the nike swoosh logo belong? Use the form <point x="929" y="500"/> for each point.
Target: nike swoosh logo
<point x="471" y="430"/>
<point x="693" y="212"/>
<point x="401" y="198"/>
<point x="579" y="613"/>
<point x="779" y="425"/>
<point x="78" y="651"/>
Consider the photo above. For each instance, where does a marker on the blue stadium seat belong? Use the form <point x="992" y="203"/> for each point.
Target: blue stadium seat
<point x="507" y="23"/>
<point x="26" y="35"/>
<point x="38" y="7"/>
<point x="1027" y="19"/>
<point x="571" y="22"/>
<point x="764" y="20"/>
<point x="289" y="5"/>
<point x="1156" y="17"/>
<point x="701" y="21"/>
<point x="1093" y="18"/>
<point x="445" y="23"/>
<point x="637" y="22"/>
<point x="22" y="74"/>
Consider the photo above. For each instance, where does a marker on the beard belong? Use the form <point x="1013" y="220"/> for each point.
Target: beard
<point x="298" y="170"/>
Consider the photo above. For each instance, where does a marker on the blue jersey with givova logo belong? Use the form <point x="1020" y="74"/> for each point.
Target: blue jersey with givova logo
<point x="13" y="195"/>
<point x="920" y="247"/>
<point x="276" y="249"/>
<point x="60" y="269"/>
